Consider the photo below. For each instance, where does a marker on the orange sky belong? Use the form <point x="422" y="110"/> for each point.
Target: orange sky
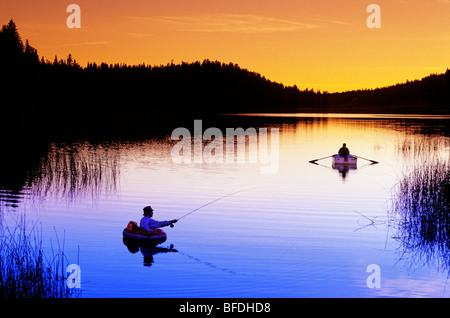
<point x="320" y="44"/>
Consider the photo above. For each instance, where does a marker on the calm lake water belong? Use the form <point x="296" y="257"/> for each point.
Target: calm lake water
<point x="306" y="230"/>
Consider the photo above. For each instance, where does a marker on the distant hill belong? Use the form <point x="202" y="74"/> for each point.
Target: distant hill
<point x="61" y="89"/>
<point x="430" y="95"/>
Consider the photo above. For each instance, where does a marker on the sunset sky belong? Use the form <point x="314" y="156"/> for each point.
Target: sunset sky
<point x="324" y="45"/>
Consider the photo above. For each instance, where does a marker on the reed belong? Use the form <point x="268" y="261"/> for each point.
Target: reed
<point x="25" y="270"/>
<point x="420" y="146"/>
<point x="421" y="206"/>
<point x="75" y="170"/>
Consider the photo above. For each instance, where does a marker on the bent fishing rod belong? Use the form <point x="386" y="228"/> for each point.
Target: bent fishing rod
<point x="211" y="202"/>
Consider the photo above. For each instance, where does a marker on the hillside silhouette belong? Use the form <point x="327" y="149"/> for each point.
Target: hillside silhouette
<point x="61" y="92"/>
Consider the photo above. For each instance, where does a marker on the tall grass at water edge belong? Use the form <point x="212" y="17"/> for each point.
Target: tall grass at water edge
<point x="421" y="206"/>
<point x="25" y="270"/>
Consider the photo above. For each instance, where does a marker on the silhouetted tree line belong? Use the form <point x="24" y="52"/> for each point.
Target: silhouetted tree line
<point x="429" y="95"/>
<point x="61" y="89"/>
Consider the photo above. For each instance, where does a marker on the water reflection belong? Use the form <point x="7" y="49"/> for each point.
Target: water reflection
<point x="344" y="169"/>
<point x="147" y="250"/>
<point x="10" y="199"/>
<point x="18" y="160"/>
<point x="410" y="124"/>
<point x="307" y="207"/>
<point x="68" y="171"/>
<point x="421" y="147"/>
<point x="36" y="168"/>
<point x="74" y="170"/>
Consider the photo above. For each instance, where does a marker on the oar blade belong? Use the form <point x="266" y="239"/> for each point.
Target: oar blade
<point x="314" y="161"/>
<point x="372" y="161"/>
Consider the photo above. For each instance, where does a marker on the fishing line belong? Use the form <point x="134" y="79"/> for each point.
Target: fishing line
<point x="209" y="264"/>
<point x="223" y="197"/>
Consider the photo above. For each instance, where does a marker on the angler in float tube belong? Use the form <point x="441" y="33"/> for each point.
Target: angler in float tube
<point x="149" y="224"/>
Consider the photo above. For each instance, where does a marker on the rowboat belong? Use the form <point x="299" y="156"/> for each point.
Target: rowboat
<point x="344" y="160"/>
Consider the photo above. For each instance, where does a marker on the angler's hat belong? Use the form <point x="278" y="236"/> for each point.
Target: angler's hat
<point x="147" y="210"/>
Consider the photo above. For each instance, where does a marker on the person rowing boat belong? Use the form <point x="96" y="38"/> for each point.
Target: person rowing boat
<point x="344" y="151"/>
<point x="343" y="156"/>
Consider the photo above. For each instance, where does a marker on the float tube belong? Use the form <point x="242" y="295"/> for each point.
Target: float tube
<point x="136" y="234"/>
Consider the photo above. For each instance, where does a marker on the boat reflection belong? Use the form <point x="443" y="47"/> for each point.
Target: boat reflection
<point x="147" y="250"/>
<point x="343" y="169"/>
<point x="343" y="164"/>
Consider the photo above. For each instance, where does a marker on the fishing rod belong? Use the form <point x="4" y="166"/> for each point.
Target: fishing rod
<point x="211" y="202"/>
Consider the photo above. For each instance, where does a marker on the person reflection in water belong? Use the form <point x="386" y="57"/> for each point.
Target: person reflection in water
<point x="149" y="224"/>
<point x="148" y="251"/>
<point x="343" y="171"/>
<point x="344" y="151"/>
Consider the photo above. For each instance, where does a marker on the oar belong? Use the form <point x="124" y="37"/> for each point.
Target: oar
<point x="314" y="161"/>
<point x="372" y="161"/>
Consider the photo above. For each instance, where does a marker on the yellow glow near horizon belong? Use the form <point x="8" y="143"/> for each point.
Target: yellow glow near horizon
<point x="324" y="45"/>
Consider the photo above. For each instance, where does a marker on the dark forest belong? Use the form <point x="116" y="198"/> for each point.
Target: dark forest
<point x="60" y="91"/>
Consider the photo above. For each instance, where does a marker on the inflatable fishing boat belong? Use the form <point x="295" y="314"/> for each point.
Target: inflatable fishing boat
<point x="136" y="234"/>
